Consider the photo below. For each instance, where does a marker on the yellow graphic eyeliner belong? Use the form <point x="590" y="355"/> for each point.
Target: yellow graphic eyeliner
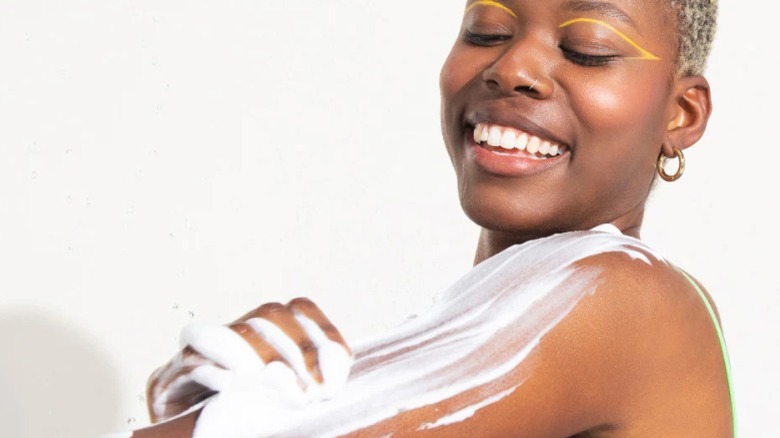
<point x="491" y="3"/>
<point x="645" y="54"/>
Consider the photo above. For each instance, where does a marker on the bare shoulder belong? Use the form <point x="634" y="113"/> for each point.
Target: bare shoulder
<point x="584" y="333"/>
<point x="653" y="331"/>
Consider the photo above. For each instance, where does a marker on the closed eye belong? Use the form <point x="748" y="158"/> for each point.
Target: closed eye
<point x="486" y="39"/>
<point x="586" y="60"/>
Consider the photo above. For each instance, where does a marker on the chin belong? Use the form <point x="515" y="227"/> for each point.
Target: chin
<point x="523" y="217"/>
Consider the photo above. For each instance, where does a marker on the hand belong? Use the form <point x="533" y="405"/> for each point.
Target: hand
<point x="274" y="345"/>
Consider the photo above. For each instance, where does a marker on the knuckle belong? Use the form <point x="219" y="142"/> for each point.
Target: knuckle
<point x="270" y="308"/>
<point x="328" y="327"/>
<point x="301" y="302"/>
<point x="307" y="346"/>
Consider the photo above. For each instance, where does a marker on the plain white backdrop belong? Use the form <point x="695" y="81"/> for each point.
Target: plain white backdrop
<point x="163" y="162"/>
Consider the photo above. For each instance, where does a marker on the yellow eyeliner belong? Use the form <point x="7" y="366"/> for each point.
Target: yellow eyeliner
<point x="645" y="54"/>
<point x="491" y="3"/>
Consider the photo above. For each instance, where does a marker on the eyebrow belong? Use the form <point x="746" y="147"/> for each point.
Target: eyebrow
<point x="605" y="8"/>
<point x="493" y="3"/>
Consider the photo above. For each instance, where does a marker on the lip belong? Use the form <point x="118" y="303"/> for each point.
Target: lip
<point x="512" y="119"/>
<point x="510" y="163"/>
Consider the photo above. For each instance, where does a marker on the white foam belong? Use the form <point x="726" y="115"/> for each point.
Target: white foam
<point x="222" y="345"/>
<point x="468" y="411"/>
<point x="483" y="328"/>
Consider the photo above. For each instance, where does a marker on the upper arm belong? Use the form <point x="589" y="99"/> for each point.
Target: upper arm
<point x="606" y="357"/>
<point x="582" y="370"/>
<point x="637" y="353"/>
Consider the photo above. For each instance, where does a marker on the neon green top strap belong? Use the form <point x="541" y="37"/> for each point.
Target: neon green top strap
<point x="722" y="345"/>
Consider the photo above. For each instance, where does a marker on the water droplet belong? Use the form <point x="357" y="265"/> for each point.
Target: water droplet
<point x="141" y="398"/>
<point x="34" y="174"/>
<point x="175" y="306"/>
<point x="131" y="420"/>
<point x="191" y="313"/>
<point x="67" y="151"/>
<point x="171" y="235"/>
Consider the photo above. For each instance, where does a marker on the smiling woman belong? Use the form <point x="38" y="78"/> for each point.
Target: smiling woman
<point x="557" y="117"/>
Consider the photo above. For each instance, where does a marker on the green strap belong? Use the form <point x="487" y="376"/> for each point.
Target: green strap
<point x="722" y="345"/>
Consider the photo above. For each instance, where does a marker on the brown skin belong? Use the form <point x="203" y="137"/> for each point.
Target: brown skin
<point x="616" y="118"/>
<point x="280" y="314"/>
<point x="640" y="356"/>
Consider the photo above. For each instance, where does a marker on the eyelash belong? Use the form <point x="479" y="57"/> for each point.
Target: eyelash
<point x="486" y="40"/>
<point x="586" y="60"/>
<point x="583" y="59"/>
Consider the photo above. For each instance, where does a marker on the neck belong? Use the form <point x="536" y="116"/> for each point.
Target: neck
<point x="492" y="242"/>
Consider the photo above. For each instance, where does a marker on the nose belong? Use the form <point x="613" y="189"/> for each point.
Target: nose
<point x="519" y="70"/>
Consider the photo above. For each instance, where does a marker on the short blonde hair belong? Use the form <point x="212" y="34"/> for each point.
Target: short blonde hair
<point x="696" y="21"/>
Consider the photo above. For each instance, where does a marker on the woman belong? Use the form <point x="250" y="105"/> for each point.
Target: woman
<point x="558" y="117"/>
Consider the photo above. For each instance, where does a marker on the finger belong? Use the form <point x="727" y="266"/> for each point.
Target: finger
<point x="212" y="377"/>
<point x="278" y="326"/>
<point x="258" y="312"/>
<point x="306" y="307"/>
<point x="263" y="349"/>
<point x="335" y="361"/>
<point x="171" y="390"/>
<point x="223" y="346"/>
<point x="282" y="317"/>
<point x="183" y="393"/>
<point x="172" y="386"/>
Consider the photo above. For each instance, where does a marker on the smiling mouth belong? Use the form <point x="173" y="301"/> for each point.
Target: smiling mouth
<point x="512" y="141"/>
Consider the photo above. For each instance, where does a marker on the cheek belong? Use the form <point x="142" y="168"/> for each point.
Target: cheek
<point x="609" y="108"/>
<point x="450" y="80"/>
<point x="621" y="123"/>
<point x="457" y="72"/>
<point x="456" y="75"/>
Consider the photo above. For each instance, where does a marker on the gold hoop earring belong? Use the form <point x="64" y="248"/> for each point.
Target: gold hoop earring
<point x="680" y="167"/>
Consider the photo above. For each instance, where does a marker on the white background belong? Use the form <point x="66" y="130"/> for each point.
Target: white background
<point x="169" y="162"/>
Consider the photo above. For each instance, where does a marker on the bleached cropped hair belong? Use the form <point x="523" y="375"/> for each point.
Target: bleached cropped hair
<point x="697" y="21"/>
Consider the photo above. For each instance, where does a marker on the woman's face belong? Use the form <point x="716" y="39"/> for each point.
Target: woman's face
<point x="592" y="78"/>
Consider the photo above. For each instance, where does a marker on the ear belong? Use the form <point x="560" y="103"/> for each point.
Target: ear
<point x="690" y="112"/>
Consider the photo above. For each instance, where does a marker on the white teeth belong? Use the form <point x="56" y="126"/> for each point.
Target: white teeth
<point x="533" y="144"/>
<point x="508" y="140"/>
<point x="494" y="136"/>
<point x="522" y="141"/>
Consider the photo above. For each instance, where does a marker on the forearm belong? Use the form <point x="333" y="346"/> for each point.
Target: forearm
<point x="181" y="427"/>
